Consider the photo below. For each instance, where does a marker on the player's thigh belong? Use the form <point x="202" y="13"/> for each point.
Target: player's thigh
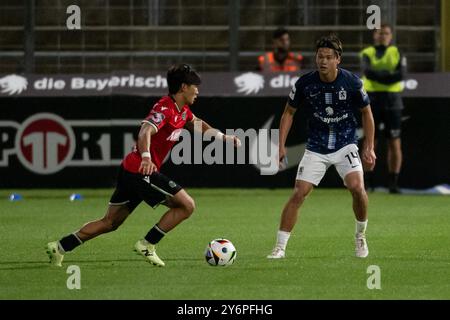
<point x="347" y="161"/>
<point x="117" y="214"/>
<point x="125" y="193"/>
<point x="312" y="167"/>
<point x="354" y="181"/>
<point x="180" y="200"/>
<point x="157" y="189"/>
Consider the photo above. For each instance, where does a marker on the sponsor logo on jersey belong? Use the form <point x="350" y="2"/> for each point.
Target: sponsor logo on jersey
<point x="331" y="120"/>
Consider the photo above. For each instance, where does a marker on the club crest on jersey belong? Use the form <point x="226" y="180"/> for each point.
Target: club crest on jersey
<point x="342" y="94"/>
<point x="183" y="116"/>
<point x="329" y="111"/>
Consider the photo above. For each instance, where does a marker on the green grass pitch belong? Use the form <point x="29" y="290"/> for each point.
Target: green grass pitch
<point x="408" y="238"/>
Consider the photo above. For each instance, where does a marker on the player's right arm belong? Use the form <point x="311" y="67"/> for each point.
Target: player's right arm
<point x="147" y="167"/>
<point x="155" y="120"/>
<point x="295" y="100"/>
<point x="285" y="126"/>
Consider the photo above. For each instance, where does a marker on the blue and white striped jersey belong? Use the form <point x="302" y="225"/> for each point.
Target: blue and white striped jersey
<point x="331" y="109"/>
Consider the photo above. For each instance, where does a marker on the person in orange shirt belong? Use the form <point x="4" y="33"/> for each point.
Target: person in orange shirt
<point x="281" y="59"/>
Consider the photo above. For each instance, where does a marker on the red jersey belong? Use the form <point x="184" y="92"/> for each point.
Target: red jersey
<point x="168" y="121"/>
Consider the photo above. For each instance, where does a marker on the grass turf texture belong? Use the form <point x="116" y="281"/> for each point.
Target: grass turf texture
<point x="408" y="239"/>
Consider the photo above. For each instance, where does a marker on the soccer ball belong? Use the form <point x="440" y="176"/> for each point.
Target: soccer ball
<point x="220" y="252"/>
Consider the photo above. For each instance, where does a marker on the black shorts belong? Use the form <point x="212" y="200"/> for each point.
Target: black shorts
<point x="387" y="111"/>
<point x="133" y="188"/>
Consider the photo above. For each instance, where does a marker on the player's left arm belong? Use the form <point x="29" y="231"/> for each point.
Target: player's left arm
<point x="201" y="125"/>
<point x="368" y="153"/>
<point x="362" y="101"/>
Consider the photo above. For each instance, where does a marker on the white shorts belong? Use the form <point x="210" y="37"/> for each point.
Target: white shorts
<point x="313" y="165"/>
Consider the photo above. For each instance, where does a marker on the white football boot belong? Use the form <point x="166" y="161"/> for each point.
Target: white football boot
<point x="277" y="253"/>
<point x="361" y="248"/>
<point x="148" y="251"/>
<point x="56" y="257"/>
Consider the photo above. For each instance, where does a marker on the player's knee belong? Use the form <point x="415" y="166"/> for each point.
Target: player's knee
<point x="110" y="225"/>
<point x="188" y="207"/>
<point x="298" y="197"/>
<point x="356" y="188"/>
<point x="115" y="225"/>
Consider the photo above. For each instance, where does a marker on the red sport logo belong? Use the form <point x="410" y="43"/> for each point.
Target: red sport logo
<point x="45" y="143"/>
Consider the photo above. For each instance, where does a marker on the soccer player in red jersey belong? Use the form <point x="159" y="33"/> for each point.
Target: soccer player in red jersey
<point x="139" y="177"/>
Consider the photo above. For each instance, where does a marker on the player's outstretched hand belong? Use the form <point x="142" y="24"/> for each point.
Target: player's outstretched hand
<point x="147" y="167"/>
<point x="235" y="140"/>
<point x="368" y="157"/>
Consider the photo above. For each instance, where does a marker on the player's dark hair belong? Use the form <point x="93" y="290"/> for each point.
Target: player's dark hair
<point x="331" y="41"/>
<point x="278" y="33"/>
<point x="183" y="73"/>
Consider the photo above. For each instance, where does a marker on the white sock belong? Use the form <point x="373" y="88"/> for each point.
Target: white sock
<point x="361" y="227"/>
<point x="282" y="239"/>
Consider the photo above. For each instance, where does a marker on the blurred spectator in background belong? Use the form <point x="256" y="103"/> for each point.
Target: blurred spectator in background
<point x="281" y="59"/>
<point x="383" y="70"/>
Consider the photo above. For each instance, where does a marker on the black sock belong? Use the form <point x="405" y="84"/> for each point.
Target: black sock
<point x="155" y="235"/>
<point x="70" y="242"/>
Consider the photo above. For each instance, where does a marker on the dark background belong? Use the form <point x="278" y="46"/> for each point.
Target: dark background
<point x="426" y="138"/>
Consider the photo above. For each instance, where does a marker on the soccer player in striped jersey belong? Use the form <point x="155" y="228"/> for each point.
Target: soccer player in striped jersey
<point x="333" y="99"/>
